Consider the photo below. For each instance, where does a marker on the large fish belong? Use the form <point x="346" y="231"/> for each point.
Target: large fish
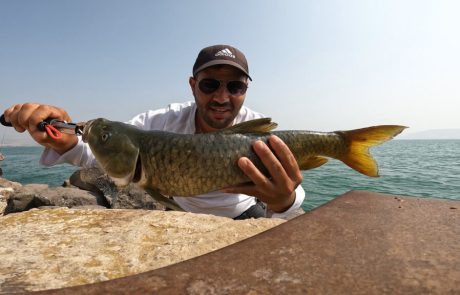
<point x="191" y="164"/>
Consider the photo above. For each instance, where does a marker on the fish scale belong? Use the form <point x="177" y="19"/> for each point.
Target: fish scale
<point x="201" y="168"/>
<point x="192" y="164"/>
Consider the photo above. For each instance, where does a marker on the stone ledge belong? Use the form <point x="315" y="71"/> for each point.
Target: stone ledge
<point x="360" y="243"/>
<point x="61" y="247"/>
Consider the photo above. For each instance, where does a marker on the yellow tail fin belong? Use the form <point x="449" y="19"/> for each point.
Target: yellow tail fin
<point x="360" y="140"/>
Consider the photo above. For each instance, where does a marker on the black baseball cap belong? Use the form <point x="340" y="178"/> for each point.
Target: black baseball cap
<point x="221" y="55"/>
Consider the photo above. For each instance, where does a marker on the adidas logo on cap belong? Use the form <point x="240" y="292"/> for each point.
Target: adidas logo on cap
<point x="225" y="52"/>
<point x="220" y="55"/>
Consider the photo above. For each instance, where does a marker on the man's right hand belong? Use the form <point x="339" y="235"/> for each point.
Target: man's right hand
<point x="27" y="116"/>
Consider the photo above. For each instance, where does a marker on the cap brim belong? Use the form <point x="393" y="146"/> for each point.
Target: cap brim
<point x="221" y="62"/>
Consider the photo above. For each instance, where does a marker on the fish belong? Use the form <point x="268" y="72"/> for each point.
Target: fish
<point x="191" y="164"/>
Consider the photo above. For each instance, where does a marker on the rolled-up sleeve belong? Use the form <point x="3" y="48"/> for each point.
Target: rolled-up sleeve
<point x="79" y="155"/>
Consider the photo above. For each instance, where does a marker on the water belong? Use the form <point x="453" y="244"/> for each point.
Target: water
<point x="422" y="168"/>
<point x="21" y="165"/>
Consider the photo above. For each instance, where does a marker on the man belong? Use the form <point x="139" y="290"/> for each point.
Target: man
<point x="219" y="83"/>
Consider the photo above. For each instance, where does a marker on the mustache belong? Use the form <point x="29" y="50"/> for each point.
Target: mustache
<point x="227" y="105"/>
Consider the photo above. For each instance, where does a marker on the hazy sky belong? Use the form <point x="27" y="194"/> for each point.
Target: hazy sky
<point x="316" y="65"/>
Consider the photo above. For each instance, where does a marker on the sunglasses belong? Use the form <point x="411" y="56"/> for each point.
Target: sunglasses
<point x="208" y="86"/>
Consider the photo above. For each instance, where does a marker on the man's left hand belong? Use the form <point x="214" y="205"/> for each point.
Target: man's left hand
<point x="278" y="191"/>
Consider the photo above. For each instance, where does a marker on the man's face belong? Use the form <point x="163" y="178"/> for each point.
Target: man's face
<point x="217" y="109"/>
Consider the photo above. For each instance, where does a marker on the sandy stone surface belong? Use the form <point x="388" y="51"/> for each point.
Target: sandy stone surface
<point x="54" y="248"/>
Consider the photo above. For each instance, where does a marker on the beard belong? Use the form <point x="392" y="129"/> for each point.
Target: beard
<point x="218" y="115"/>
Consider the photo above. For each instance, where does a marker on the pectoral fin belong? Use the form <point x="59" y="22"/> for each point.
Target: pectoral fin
<point x="165" y="201"/>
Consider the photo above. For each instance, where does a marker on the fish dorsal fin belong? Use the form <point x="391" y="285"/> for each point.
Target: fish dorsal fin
<point x="262" y="125"/>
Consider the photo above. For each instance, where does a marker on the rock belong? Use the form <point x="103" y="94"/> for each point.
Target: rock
<point x="130" y="197"/>
<point x="5" y="183"/>
<point x="85" y="207"/>
<point x="66" y="183"/>
<point x="86" y="179"/>
<point x="37" y="195"/>
<point x="6" y="189"/>
<point x="4" y="194"/>
<point x="55" y="248"/>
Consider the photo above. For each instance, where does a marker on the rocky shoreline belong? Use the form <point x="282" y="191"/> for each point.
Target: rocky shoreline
<point x="86" y="188"/>
<point x="66" y="236"/>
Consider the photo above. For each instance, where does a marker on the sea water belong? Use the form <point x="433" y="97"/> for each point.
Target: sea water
<point x="21" y="164"/>
<point x="422" y="168"/>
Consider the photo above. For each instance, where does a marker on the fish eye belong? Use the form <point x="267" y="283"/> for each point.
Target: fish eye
<point x="105" y="136"/>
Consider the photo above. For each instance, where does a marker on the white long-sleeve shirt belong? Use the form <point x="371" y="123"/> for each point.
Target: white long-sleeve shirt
<point x="178" y="118"/>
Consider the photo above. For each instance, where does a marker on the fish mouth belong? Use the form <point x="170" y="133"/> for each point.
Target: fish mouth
<point x="138" y="170"/>
<point x="86" y="130"/>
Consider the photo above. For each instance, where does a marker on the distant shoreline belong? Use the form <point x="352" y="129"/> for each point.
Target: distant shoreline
<point x="426" y="138"/>
<point x="435" y="134"/>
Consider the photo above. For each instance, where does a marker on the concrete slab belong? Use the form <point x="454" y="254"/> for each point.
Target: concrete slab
<point x="360" y="243"/>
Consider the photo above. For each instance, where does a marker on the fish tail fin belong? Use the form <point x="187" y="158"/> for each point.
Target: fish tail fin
<point x="360" y="140"/>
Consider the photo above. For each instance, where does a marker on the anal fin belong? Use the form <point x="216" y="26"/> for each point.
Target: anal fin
<point x="311" y="162"/>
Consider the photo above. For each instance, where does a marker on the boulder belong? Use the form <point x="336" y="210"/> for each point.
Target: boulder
<point x="86" y="187"/>
<point x="54" y="248"/>
<point x="37" y="195"/>
<point x="4" y="194"/>
<point x="6" y="190"/>
<point x="129" y="197"/>
<point x="4" y="183"/>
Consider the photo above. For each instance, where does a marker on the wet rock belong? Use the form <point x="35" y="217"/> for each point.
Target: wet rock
<point x="63" y="247"/>
<point x="130" y="197"/>
<point x="38" y="195"/>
